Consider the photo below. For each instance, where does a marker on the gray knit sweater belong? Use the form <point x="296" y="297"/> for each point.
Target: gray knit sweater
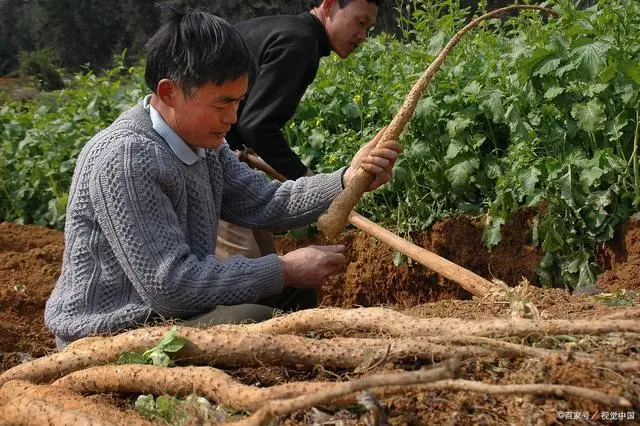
<point x="141" y="229"/>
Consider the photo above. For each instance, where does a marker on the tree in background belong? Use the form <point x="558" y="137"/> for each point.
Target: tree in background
<point x="91" y="32"/>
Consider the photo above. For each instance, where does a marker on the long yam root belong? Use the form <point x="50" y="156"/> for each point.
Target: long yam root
<point x="431" y="383"/>
<point x="334" y="220"/>
<point x="392" y="323"/>
<point x="209" y="382"/>
<point x="283" y="407"/>
<point x="229" y="347"/>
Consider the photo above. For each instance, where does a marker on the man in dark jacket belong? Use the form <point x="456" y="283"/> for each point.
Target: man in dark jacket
<point x="288" y="49"/>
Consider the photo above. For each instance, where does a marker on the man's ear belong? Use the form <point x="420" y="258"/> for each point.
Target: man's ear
<point x="167" y="91"/>
<point x="327" y="6"/>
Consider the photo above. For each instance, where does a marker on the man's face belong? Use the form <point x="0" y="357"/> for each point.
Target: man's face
<point x="347" y="28"/>
<point x="203" y="119"/>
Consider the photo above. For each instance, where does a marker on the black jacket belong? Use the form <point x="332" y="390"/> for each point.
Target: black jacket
<point x="287" y="49"/>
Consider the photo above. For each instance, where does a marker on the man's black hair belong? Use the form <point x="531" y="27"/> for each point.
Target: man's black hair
<point x="342" y="3"/>
<point x="195" y="48"/>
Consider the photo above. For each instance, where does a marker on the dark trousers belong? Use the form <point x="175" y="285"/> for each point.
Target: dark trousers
<point x="291" y="299"/>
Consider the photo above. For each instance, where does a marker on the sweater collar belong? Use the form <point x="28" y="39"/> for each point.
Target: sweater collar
<point x="324" y="47"/>
<point x="184" y="152"/>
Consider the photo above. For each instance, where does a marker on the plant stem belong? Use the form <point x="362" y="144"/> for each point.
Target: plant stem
<point x="634" y="158"/>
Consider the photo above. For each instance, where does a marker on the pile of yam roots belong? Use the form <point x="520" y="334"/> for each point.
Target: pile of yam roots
<point x="56" y="389"/>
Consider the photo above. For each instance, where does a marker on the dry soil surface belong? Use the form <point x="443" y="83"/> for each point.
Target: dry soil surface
<point x="30" y="260"/>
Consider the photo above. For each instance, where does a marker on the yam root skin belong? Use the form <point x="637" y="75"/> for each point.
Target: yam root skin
<point x="209" y="382"/>
<point x="231" y="348"/>
<point x="261" y="343"/>
<point x="23" y="403"/>
<point x="334" y="220"/>
<point x="389" y="322"/>
<point x="283" y="407"/>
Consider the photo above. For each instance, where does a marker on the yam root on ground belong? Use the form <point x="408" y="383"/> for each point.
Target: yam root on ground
<point x="232" y="348"/>
<point x="406" y="378"/>
<point x="209" y="382"/>
<point x="251" y="345"/>
<point x="388" y="322"/>
<point x="23" y="403"/>
<point x="429" y="380"/>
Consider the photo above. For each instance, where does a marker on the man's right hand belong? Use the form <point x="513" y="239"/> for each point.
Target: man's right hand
<point x="309" y="267"/>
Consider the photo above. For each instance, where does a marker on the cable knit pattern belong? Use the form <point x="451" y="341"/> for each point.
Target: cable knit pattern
<point x="141" y="229"/>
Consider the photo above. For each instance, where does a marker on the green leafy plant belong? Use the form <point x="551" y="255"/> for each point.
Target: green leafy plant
<point x="181" y="411"/>
<point x="160" y="354"/>
<point x="526" y="111"/>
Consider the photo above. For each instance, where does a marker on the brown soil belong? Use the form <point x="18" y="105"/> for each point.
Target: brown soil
<point x="30" y="259"/>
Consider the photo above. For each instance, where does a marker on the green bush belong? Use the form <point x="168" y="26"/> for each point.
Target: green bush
<point x="42" y="137"/>
<point x="43" y="66"/>
<point x="526" y="111"/>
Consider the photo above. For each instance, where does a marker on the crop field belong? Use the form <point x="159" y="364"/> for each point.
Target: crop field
<point x="520" y="164"/>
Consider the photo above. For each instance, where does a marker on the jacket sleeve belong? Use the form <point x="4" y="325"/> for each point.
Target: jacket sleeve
<point x="252" y="201"/>
<point x="284" y="75"/>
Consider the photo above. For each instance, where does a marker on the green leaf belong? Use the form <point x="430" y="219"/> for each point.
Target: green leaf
<point x="492" y="234"/>
<point x="589" y="116"/>
<point x="454" y="149"/>
<point x="592" y="57"/>
<point x="316" y="139"/>
<point x="553" y="92"/>
<point x="537" y="56"/>
<point x="460" y="174"/>
<point x="160" y="359"/>
<point x="614" y="127"/>
<point x="566" y="189"/>
<point x="548" y="67"/>
<point x="175" y="344"/>
<point x="436" y="43"/>
<point x="472" y="88"/>
<point x="529" y="178"/>
<point x="587" y="275"/>
<point x="589" y="175"/>
<point x="398" y="258"/>
<point x="457" y="126"/>
<point x="166" y="405"/>
<point x="553" y="240"/>
<point x="167" y="338"/>
<point x="146" y="406"/>
<point x="351" y="110"/>
<point x="131" y="358"/>
<point x="632" y="70"/>
<point x="492" y="104"/>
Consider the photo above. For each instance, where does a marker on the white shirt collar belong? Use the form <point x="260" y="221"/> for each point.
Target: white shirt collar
<point x="184" y="152"/>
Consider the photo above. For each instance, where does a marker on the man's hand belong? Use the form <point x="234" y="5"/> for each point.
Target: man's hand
<point x="309" y="267"/>
<point x="378" y="161"/>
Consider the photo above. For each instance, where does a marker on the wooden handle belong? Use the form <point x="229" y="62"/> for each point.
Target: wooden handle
<point x="471" y="282"/>
<point x="466" y="279"/>
<point x="334" y="220"/>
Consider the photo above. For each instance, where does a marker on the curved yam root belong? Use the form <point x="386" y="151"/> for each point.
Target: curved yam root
<point x="406" y="378"/>
<point x="434" y="379"/>
<point x="334" y="220"/>
<point x="23" y="403"/>
<point x="211" y="383"/>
